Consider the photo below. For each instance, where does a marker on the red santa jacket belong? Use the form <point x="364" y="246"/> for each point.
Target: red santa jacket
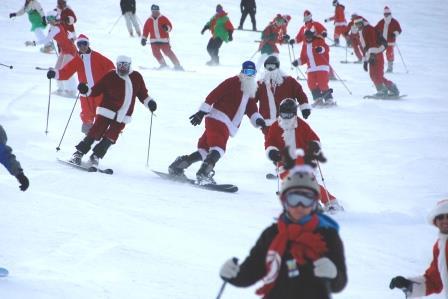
<point x="390" y="29"/>
<point x="316" y="62"/>
<point x="154" y="29"/>
<point x="59" y="34"/>
<point x="316" y="27"/>
<point x="371" y="41"/>
<point x="435" y="278"/>
<point x="270" y="96"/>
<point x="68" y="19"/>
<point x="227" y="104"/>
<point x="351" y="27"/>
<point x="339" y="16"/>
<point x="119" y="95"/>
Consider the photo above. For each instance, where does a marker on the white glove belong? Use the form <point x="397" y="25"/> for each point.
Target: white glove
<point x="325" y="268"/>
<point x="230" y="269"/>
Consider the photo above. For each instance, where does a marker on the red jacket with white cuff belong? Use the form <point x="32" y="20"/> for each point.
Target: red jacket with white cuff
<point x="154" y="29"/>
<point x="339" y="16"/>
<point x="316" y="62"/>
<point x="371" y="41"/>
<point x="68" y="19"/>
<point x="59" y="34"/>
<point x="227" y="104"/>
<point x="316" y="27"/>
<point x="390" y="29"/>
<point x="119" y="93"/>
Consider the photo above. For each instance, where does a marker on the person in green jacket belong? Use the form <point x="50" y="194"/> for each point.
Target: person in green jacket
<point x="36" y="16"/>
<point x="222" y="30"/>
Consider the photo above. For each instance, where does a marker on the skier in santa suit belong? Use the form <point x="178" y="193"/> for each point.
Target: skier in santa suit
<point x="288" y="134"/>
<point x="314" y="26"/>
<point x="67" y="51"/>
<point x="316" y="54"/>
<point x="224" y="109"/>
<point x="273" y="88"/>
<point x="158" y="28"/>
<point x="269" y="38"/>
<point x="339" y="20"/>
<point x="90" y="66"/>
<point x="68" y="18"/>
<point x="283" y="36"/>
<point x="119" y="88"/>
<point x="390" y="28"/>
<point x="374" y="45"/>
<point x="435" y="278"/>
<point x="353" y="37"/>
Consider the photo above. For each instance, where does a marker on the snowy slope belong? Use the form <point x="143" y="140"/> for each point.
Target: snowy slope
<point x="133" y="235"/>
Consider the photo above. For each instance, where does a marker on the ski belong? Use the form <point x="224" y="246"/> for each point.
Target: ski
<point x="87" y="167"/>
<point x="147" y="68"/>
<point x="375" y="97"/>
<point x="271" y="176"/>
<point x="3" y="272"/>
<point x="258" y="31"/>
<point x="229" y="188"/>
<point x="354" y="62"/>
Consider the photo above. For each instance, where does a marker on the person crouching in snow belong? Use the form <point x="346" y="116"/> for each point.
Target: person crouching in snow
<point x="119" y="88"/>
<point x="300" y="256"/>
<point x="435" y="278"/>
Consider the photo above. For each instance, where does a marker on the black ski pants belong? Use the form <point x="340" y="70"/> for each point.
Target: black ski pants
<point x="213" y="48"/>
<point x="244" y="14"/>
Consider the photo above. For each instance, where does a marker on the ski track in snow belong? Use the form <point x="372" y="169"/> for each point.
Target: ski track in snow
<point x="75" y="234"/>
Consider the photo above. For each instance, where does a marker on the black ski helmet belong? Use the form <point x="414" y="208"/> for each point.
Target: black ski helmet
<point x="272" y="60"/>
<point x="288" y="108"/>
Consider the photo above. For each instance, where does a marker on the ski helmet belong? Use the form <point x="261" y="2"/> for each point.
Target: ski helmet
<point x="271" y="63"/>
<point x="248" y="68"/>
<point x="288" y="108"/>
<point x="303" y="187"/>
<point x="155" y="7"/>
<point x="123" y="65"/>
<point x="335" y="2"/>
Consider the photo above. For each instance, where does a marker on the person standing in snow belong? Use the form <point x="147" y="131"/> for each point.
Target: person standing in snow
<point x="222" y="31"/>
<point x="8" y="159"/>
<point x="158" y="28"/>
<point x="435" y="278"/>
<point x="339" y="20"/>
<point x="68" y="18"/>
<point x="224" y="109"/>
<point x="309" y="24"/>
<point x="248" y="7"/>
<point x="390" y="28"/>
<point x="300" y="256"/>
<point x="353" y="38"/>
<point x="119" y="88"/>
<point x="128" y="8"/>
<point x="67" y="51"/>
<point x="90" y="66"/>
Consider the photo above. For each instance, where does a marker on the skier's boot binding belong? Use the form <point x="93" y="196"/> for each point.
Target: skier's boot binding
<point x="76" y="158"/>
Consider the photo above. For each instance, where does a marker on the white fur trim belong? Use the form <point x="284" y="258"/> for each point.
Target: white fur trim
<point x="269" y="149"/>
<point x="301" y="168"/>
<point x="86" y="59"/>
<point x="440" y="208"/>
<point x="441" y="262"/>
<point x="374" y="50"/>
<point x="71" y="20"/>
<point x="159" y="40"/>
<point x="57" y="74"/>
<point x="155" y="23"/>
<point x="340" y="23"/>
<point x="127" y="119"/>
<point x="319" y="68"/>
<point x="254" y="117"/>
<point x="396" y="33"/>
<point x="305" y="106"/>
<point x="203" y="152"/>
<point x="205" y="107"/>
<point x="386" y="27"/>
<point x="222" y="117"/>
<point x="105" y="112"/>
<point x="147" y="100"/>
<point x="219" y="150"/>
<point x="271" y="101"/>
<point x="418" y="287"/>
<point x="127" y="101"/>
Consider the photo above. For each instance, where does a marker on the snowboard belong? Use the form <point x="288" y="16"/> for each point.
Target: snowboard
<point x="87" y="167"/>
<point x="259" y="31"/>
<point x="375" y="97"/>
<point x="3" y="272"/>
<point x="229" y="188"/>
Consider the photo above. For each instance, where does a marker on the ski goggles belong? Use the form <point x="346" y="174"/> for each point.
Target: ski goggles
<point x="82" y="43"/>
<point x="270" y="66"/>
<point x="441" y="217"/>
<point x="287" y="115"/>
<point x="305" y="198"/>
<point x="249" y="72"/>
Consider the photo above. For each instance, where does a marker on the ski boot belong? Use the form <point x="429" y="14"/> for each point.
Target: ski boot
<point x="336" y="42"/>
<point x="76" y="158"/>
<point x="381" y="91"/>
<point x="393" y="90"/>
<point x="205" y="174"/>
<point x="162" y="66"/>
<point x="182" y="162"/>
<point x="240" y="27"/>
<point x="317" y="97"/>
<point x="178" y="68"/>
<point x="390" y="67"/>
<point x="328" y="98"/>
<point x="94" y="160"/>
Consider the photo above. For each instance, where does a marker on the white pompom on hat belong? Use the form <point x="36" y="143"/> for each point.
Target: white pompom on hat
<point x="440" y="209"/>
<point x="387" y="9"/>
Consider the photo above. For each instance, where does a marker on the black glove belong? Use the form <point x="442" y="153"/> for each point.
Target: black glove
<point x="12" y="15"/>
<point x="306" y="113"/>
<point x="23" y="180"/>
<point x="324" y="34"/>
<point x="372" y="59"/>
<point x="313" y="153"/>
<point x="295" y="63"/>
<point x="204" y="29"/>
<point x="230" y="36"/>
<point x="165" y="27"/>
<point x="196" y="118"/>
<point x="319" y="50"/>
<point x="365" y="66"/>
<point x="152" y="105"/>
<point x="292" y="41"/>
<point x="288" y="161"/>
<point x="286" y="38"/>
<point x="274" y="155"/>
<point x="143" y="41"/>
<point x="83" y="88"/>
<point x="401" y="283"/>
<point x="51" y="74"/>
<point x="261" y="123"/>
<point x="44" y="21"/>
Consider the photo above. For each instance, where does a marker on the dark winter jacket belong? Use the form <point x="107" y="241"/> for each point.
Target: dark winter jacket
<point x="248" y="5"/>
<point x="6" y="156"/>
<point x="303" y="286"/>
<point x="127" y="5"/>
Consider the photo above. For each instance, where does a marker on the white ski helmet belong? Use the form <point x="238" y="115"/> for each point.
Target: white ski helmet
<point x="300" y="180"/>
<point x="123" y="65"/>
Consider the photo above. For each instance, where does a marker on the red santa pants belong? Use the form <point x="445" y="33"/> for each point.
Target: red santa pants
<point x="216" y="134"/>
<point x="105" y="128"/>
<point x="88" y="108"/>
<point x="376" y="71"/>
<point x="356" y="45"/>
<point x="318" y="80"/>
<point x="390" y="53"/>
<point x="338" y="30"/>
<point x="158" y="48"/>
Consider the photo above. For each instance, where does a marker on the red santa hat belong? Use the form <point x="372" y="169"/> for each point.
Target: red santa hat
<point x="387" y="9"/>
<point x="82" y="38"/>
<point x="440" y="209"/>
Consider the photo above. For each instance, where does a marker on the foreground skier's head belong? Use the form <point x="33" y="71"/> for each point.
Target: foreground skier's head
<point x="439" y="216"/>
<point x="82" y="42"/>
<point x="123" y="65"/>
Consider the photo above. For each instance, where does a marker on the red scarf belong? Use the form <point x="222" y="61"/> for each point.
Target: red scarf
<point x="305" y="245"/>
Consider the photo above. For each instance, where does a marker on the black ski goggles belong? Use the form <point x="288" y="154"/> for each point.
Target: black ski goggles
<point x="82" y="43"/>
<point x="287" y="115"/>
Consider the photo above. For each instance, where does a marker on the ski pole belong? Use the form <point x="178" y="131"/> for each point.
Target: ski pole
<point x="58" y="148"/>
<point x="113" y="26"/>
<point x="402" y="60"/>
<point x="48" y="106"/>
<point x="149" y="141"/>
<point x="253" y="55"/>
<point x="339" y="78"/>
<point x="5" y="65"/>
<point x="297" y="68"/>
<point x="323" y="180"/>
<point x="42" y="68"/>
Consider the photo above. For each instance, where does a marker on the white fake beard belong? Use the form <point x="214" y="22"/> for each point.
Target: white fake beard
<point x="388" y="19"/>
<point x="248" y="85"/>
<point x="289" y="134"/>
<point x="274" y="77"/>
<point x="287" y="124"/>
